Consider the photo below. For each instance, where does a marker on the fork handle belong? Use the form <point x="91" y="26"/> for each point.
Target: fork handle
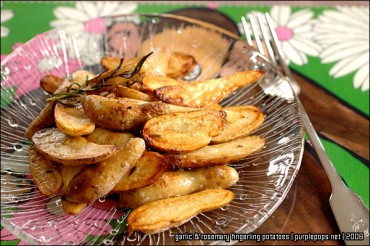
<point x="349" y="209"/>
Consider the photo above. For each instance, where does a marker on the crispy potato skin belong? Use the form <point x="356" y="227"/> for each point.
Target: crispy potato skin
<point x="149" y="168"/>
<point x="121" y="114"/>
<point x="206" y="93"/>
<point x="180" y="183"/>
<point x="96" y="181"/>
<point x="218" y="154"/>
<point x="43" y="120"/>
<point x="73" y="121"/>
<point x="46" y="177"/>
<point x="158" y="216"/>
<point x="68" y="150"/>
<point x="185" y="131"/>
<point x="241" y="121"/>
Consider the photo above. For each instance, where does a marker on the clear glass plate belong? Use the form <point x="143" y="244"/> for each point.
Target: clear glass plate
<point x="265" y="178"/>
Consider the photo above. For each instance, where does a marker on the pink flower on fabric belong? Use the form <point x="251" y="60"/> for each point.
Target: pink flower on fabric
<point x="61" y="228"/>
<point x="31" y="61"/>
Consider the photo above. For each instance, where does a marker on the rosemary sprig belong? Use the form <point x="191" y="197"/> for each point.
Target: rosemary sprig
<point x="75" y="90"/>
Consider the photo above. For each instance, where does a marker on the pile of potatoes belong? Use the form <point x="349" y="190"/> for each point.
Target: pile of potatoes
<point x="161" y="143"/>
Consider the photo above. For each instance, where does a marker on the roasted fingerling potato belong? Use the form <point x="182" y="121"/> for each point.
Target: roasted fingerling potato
<point x="150" y="167"/>
<point x="185" y="131"/>
<point x="61" y="148"/>
<point x="180" y="183"/>
<point x="158" y="216"/>
<point x="46" y="177"/>
<point x="96" y="181"/>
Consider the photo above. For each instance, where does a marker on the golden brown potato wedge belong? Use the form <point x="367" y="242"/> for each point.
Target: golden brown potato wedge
<point x="206" y="93"/>
<point x="241" y="121"/>
<point x="219" y="154"/>
<point x="68" y="150"/>
<point x="149" y="168"/>
<point x="158" y="216"/>
<point x="72" y="208"/>
<point x="104" y="136"/>
<point x="124" y="91"/>
<point x="46" y="177"/>
<point x="68" y="173"/>
<point x="121" y="114"/>
<point x="43" y="120"/>
<point x="73" y="121"/>
<point x="50" y="83"/>
<point x="185" y="131"/>
<point x="180" y="183"/>
<point x="96" y="181"/>
<point x="150" y="83"/>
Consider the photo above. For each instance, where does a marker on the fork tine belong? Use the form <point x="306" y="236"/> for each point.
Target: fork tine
<point x="266" y="38"/>
<point x="247" y="32"/>
<point x="277" y="47"/>
<point x="256" y="35"/>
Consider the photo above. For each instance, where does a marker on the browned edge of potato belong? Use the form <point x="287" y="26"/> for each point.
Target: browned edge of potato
<point x="241" y="121"/>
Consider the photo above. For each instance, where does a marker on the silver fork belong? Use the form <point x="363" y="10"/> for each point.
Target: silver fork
<point x="349" y="210"/>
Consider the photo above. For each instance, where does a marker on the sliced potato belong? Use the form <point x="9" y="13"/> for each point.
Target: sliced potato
<point x="43" y="120"/>
<point x="241" y="121"/>
<point x="72" y="208"/>
<point x="73" y="121"/>
<point x="96" y="181"/>
<point x="219" y="154"/>
<point x="151" y="83"/>
<point x="186" y="131"/>
<point x="121" y="114"/>
<point x="104" y="136"/>
<point x="68" y="173"/>
<point x="149" y="168"/>
<point x="180" y="183"/>
<point x="158" y="216"/>
<point x="68" y="150"/>
<point x="206" y="93"/>
<point x="50" y="83"/>
<point x="46" y="177"/>
<point x="124" y="91"/>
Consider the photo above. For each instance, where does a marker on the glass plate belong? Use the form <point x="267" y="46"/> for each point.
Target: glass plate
<point x="265" y="178"/>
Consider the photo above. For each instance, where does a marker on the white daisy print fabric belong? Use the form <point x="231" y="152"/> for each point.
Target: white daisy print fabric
<point x="343" y="34"/>
<point x="5" y="16"/>
<point x="86" y="10"/>
<point x="294" y="31"/>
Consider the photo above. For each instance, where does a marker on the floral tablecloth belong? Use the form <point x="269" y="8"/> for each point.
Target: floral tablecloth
<point x="327" y="45"/>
